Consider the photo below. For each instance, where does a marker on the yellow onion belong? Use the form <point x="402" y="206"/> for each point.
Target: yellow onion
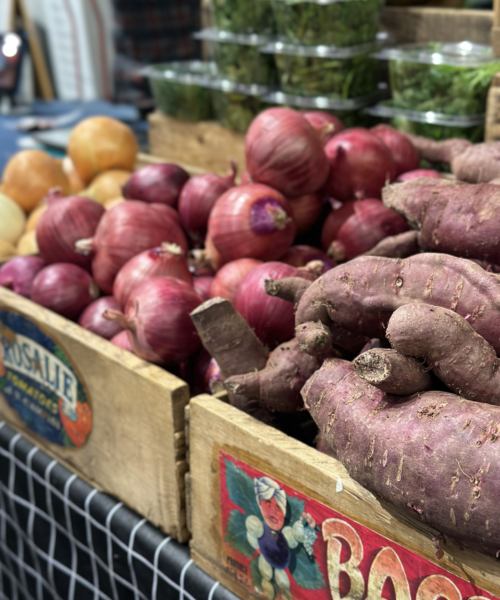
<point x="7" y="251"/>
<point x="34" y="216"/>
<point x="12" y="220"/>
<point x="107" y="186"/>
<point x="27" y="244"/>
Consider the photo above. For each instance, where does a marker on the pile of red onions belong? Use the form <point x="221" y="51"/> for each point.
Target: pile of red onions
<point x="18" y="273"/>
<point x="403" y="152"/>
<point x="228" y="278"/>
<point x="300" y="255"/>
<point x="67" y="220"/>
<point x="93" y="320"/>
<point x="357" y="226"/>
<point x="158" y="183"/>
<point x="324" y="123"/>
<point x="157" y="316"/>
<point x="306" y="210"/>
<point x="285" y="152"/>
<point x="64" y="288"/>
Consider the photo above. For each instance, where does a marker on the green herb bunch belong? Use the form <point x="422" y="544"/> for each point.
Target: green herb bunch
<point x="474" y="133"/>
<point x="186" y="102"/>
<point x="236" y="111"/>
<point x="244" y="16"/>
<point x="244" y="64"/>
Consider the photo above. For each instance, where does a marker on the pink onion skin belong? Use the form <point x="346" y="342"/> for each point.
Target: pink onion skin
<point x="419" y="173"/>
<point x="157" y="314"/>
<point x="228" y="278"/>
<point x="92" y="319"/>
<point x="271" y="318"/>
<point x="324" y="123"/>
<point x="245" y="178"/>
<point x="358" y="226"/>
<point x="298" y="256"/>
<point x="361" y="164"/>
<point x="167" y="260"/>
<point x="64" y="288"/>
<point x="67" y="220"/>
<point x="18" y="273"/>
<point x="404" y="153"/>
<point x="283" y="151"/>
<point x="213" y="375"/>
<point x="122" y="340"/>
<point x="306" y="210"/>
<point x="156" y="184"/>
<point x="251" y="221"/>
<point x="202" y="286"/>
<point x="128" y="229"/>
<point x="197" y="199"/>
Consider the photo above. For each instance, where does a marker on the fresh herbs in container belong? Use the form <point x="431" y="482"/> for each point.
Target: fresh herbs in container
<point x="244" y="16"/>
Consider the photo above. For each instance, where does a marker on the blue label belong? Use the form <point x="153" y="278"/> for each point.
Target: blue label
<point x="39" y="382"/>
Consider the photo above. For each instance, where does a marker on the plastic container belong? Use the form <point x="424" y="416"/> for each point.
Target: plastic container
<point x="451" y="79"/>
<point x="327" y="22"/>
<point x="244" y="16"/>
<point x="238" y="57"/>
<point x="236" y="105"/>
<point x="438" y="126"/>
<point x="182" y="89"/>
<point x="340" y="73"/>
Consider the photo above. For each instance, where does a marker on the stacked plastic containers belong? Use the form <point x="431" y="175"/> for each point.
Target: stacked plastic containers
<point x="439" y="90"/>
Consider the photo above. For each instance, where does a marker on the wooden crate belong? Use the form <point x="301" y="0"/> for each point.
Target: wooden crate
<point x="136" y="448"/>
<point x="359" y="541"/>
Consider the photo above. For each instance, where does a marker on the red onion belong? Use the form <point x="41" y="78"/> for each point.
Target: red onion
<point x="157" y="315"/>
<point x="419" y="173"/>
<point x="122" y="340"/>
<point x="202" y="286"/>
<point x="404" y="153"/>
<point x="124" y="231"/>
<point x="358" y="226"/>
<point x="284" y="151"/>
<point x="326" y="125"/>
<point x="306" y="210"/>
<point x="64" y="288"/>
<point x="213" y="378"/>
<point x="300" y="255"/>
<point x="158" y="183"/>
<point x="361" y="164"/>
<point x="228" y="278"/>
<point x="18" y="273"/>
<point x="251" y="221"/>
<point x="66" y="221"/>
<point x="271" y="318"/>
<point x="166" y="260"/>
<point x="245" y="178"/>
<point x="197" y="199"/>
<point x="92" y="319"/>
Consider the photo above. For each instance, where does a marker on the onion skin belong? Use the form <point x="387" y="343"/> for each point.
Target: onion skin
<point x="358" y="226"/>
<point x="202" y="286"/>
<point x="324" y="123"/>
<point x="127" y="229"/>
<point x="271" y="318"/>
<point x="122" y="340"/>
<point x="300" y="255"/>
<point x="404" y="153"/>
<point x="283" y="151"/>
<point x="197" y="199"/>
<point x="251" y="221"/>
<point x="158" y="183"/>
<point x="228" y="278"/>
<point x="361" y="164"/>
<point x="66" y="221"/>
<point x="306" y="210"/>
<point x="64" y="288"/>
<point x="419" y="173"/>
<point x="167" y="260"/>
<point x="18" y="273"/>
<point x="158" y="316"/>
<point x="92" y="319"/>
<point x="246" y="178"/>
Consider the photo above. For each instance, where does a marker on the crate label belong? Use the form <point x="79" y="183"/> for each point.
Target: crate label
<point x="280" y="544"/>
<point x="38" y="380"/>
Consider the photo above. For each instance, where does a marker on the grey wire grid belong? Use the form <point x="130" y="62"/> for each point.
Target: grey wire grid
<point x="61" y="539"/>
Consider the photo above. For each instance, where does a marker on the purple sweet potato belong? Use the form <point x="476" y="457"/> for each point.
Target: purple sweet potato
<point x="479" y="163"/>
<point x="453" y="217"/>
<point x="459" y="356"/>
<point x="401" y="245"/>
<point x="432" y="455"/>
<point x="436" y="152"/>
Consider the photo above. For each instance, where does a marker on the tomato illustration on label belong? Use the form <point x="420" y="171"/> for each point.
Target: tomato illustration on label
<point x="78" y="430"/>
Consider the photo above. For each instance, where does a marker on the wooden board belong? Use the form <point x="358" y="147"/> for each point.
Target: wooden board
<point x="136" y="448"/>
<point x="207" y="145"/>
<point x="222" y="437"/>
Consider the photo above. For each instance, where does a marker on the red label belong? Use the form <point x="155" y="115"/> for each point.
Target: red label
<point x="278" y="543"/>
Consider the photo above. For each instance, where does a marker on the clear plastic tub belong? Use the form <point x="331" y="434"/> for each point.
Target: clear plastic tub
<point x="340" y="73"/>
<point x="236" y="105"/>
<point x="182" y="89"/>
<point x="327" y="22"/>
<point x="451" y="79"/>
<point x="244" y="16"/>
<point x="238" y="57"/>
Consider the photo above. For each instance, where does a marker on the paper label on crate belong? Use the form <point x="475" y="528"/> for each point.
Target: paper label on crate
<point x="38" y="380"/>
<point x="280" y="544"/>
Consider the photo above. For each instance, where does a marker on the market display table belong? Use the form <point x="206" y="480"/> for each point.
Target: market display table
<point x="62" y="539"/>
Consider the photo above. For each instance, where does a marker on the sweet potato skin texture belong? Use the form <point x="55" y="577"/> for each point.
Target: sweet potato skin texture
<point x="401" y="245"/>
<point x="433" y="455"/>
<point x="479" y="163"/>
<point x="433" y="151"/>
<point x="460" y="357"/>
<point x="453" y="217"/>
<point x="361" y="295"/>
